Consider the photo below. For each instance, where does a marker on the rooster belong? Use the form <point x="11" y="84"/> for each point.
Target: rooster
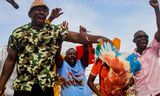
<point x="122" y="67"/>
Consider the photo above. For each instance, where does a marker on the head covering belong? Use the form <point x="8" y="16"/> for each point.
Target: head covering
<point x="37" y="3"/>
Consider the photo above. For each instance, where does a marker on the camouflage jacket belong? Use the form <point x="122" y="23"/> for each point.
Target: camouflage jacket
<point x="36" y="55"/>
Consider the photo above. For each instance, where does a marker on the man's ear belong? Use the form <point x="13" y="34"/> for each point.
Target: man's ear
<point x="134" y="40"/>
<point x="29" y="14"/>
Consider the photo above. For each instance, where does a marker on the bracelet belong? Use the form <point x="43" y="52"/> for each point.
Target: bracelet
<point x="47" y="22"/>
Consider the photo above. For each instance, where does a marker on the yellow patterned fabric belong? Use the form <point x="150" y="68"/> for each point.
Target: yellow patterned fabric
<point x="36" y="55"/>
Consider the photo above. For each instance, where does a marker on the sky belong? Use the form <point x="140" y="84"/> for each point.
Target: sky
<point x="109" y="18"/>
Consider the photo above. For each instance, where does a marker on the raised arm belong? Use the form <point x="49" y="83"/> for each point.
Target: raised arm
<point x="155" y="5"/>
<point x="56" y="12"/>
<point x="75" y="37"/>
<point x="58" y="57"/>
<point x="84" y="38"/>
<point x="7" y="68"/>
<point x="85" y="56"/>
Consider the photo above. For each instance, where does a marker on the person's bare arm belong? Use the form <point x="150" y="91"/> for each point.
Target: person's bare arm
<point x="85" y="55"/>
<point x="84" y="38"/>
<point x="155" y="5"/>
<point x="92" y="86"/>
<point x="7" y="68"/>
<point x="58" y="57"/>
<point x="75" y="37"/>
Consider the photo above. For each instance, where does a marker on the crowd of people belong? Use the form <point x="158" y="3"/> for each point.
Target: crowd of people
<point x="35" y="50"/>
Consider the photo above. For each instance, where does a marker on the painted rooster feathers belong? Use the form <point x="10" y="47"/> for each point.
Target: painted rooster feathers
<point x="121" y="67"/>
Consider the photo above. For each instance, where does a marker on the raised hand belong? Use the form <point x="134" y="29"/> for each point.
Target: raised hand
<point x="82" y="29"/>
<point x="55" y="13"/>
<point x="64" y="25"/>
<point x="154" y="3"/>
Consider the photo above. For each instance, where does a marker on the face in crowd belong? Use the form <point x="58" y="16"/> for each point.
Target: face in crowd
<point x="71" y="56"/>
<point x="38" y="14"/>
<point x="141" y="40"/>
